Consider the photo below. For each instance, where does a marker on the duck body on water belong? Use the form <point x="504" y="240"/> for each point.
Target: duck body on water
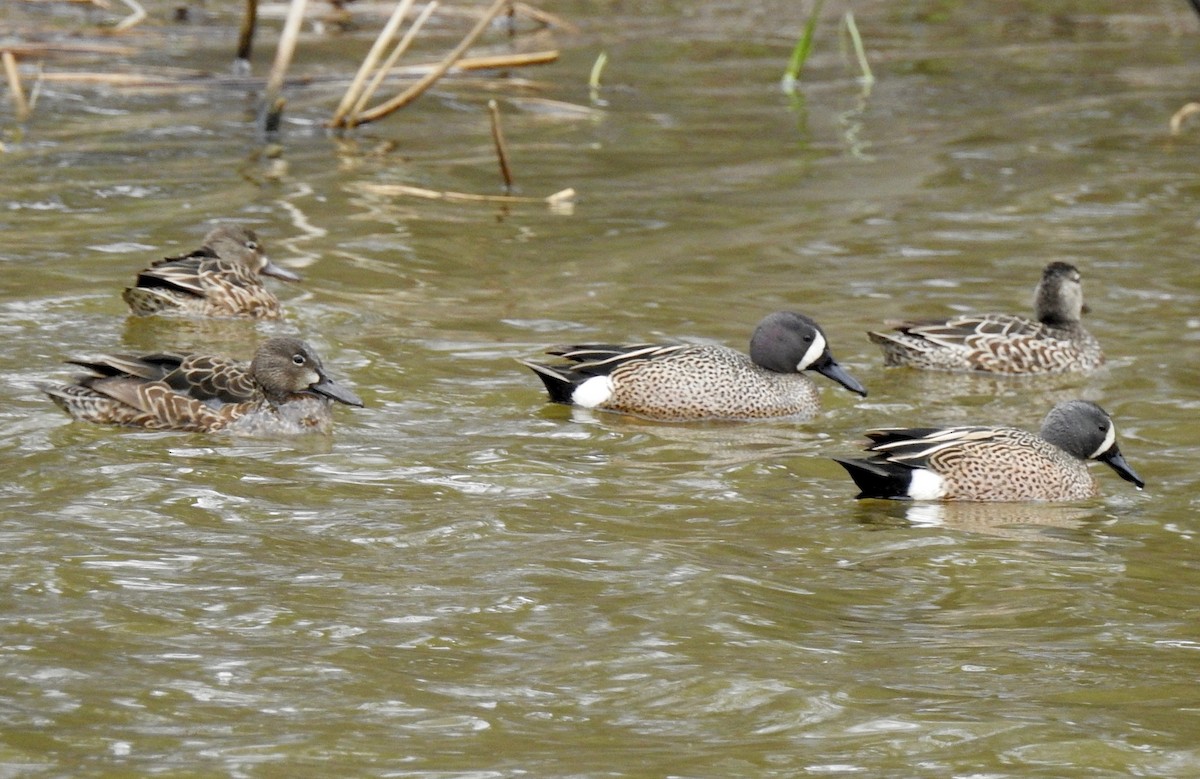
<point x="993" y="463"/>
<point x="1055" y="342"/>
<point x="221" y="279"/>
<point x="690" y="382"/>
<point x="284" y="390"/>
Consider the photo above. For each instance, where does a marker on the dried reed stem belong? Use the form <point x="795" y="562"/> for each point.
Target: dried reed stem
<point x="419" y="88"/>
<point x="506" y="60"/>
<point x="381" y="42"/>
<point x="33" y="49"/>
<point x="14" y="85"/>
<point x="134" y="80"/>
<point x="562" y="196"/>
<point x="501" y="147"/>
<point x="135" y="18"/>
<point x="547" y="18"/>
<point x="1183" y="113"/>
<point x="246" y="34"/>
<point x="272" y="105"/>
<point x="402" y="46"/>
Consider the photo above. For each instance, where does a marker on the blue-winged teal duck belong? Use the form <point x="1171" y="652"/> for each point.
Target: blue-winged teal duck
<point x="998" y="343"/>
<point x="993" y="463"/>
<point x="223" y="278"/>
<point x="283" y="391"/>
<point x="694" y="382"/>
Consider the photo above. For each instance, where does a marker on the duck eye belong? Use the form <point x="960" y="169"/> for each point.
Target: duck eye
<point x="252" y="245"/>
<point x="298" y="359"/>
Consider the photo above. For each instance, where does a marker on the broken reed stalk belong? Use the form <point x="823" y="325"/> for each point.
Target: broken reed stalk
<point x="272" y="104"/>
<point x="549" y="19"/>
<point x="1183" y="113"/>
<point x="498" y="61"/>
<point x="561" y="197"/>
<point x="30" y="49"/>
<point x="594" y="77"/>
<point x="424" y="83"/>
<point x="180" y="79"/>
<point x="137" y="16"/>
<point x="868" y="78"/>
<point x="14" y="85"/>
<point x="385" y="37"/>
<point x="246" y="35"/>
<point x="402" y="46"/>
<point x="501" y="147"/>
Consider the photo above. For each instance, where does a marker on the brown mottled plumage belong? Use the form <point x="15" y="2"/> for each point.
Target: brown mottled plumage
<point x="223" y="278"/>
<point x="284" y="390"/>
<point x="993" y="463"/>
<point x="998" y="343"/>
<point x="693" y="381"/>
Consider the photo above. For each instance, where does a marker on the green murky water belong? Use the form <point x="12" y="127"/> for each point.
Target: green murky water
<point x="464" y="581"/>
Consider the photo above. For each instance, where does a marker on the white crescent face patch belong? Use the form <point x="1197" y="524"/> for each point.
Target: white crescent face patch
<point x="593" y="392"/>
<point x="815" y="350"/>
<point x="1109" y="438"/>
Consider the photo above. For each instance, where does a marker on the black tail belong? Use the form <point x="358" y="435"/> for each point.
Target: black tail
<point x="877" y="478"/>
<point x="558" y="381"/>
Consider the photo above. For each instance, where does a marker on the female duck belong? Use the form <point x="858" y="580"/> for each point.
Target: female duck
<point x="223" y="278"/>
<point x="700" y="381"/>
<point x="999" y="343"/>
<point x="993" y="463"/>
<point x="284" y="390"/>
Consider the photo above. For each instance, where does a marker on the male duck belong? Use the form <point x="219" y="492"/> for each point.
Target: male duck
<point x="993" y="463"/>
<point x="999" y="343"/>
<point x="223" y="278"/>
<point x="693" y="382"/>
<point x="284" y="390"/>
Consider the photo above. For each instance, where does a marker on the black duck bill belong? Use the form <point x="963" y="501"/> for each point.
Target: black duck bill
<point x="1113" y="459"/>
<point x="830" y="369"/>
<point x="334" y="391"/>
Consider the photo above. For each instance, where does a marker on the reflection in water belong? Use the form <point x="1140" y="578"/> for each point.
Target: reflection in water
<point x="1007" y="520"/>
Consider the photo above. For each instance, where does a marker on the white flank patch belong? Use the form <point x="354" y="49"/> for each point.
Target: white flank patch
<point x="926" y="485"/>
<point x="593" y="392"/>
<point x="1109" y="438"/>
<point x="813" y="354"/>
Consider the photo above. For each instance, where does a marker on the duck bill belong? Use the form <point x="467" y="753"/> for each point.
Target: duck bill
<point x="1113" y="459"/>
<point x="335" y="391"/>
<point x="271" y="269"/>
<point x="830" y="369"/>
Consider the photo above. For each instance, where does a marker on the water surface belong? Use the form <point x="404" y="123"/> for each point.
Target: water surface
<point x="465" y="581"/>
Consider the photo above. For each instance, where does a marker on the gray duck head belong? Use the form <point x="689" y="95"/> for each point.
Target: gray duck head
<point x="787" y="342"/>
<point x="1083" y="429"/>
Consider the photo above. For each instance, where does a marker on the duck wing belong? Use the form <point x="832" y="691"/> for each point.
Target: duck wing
<point x="974" y="331"/>
<point x="603" y="359"/>
<point x="211" y="378"/>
